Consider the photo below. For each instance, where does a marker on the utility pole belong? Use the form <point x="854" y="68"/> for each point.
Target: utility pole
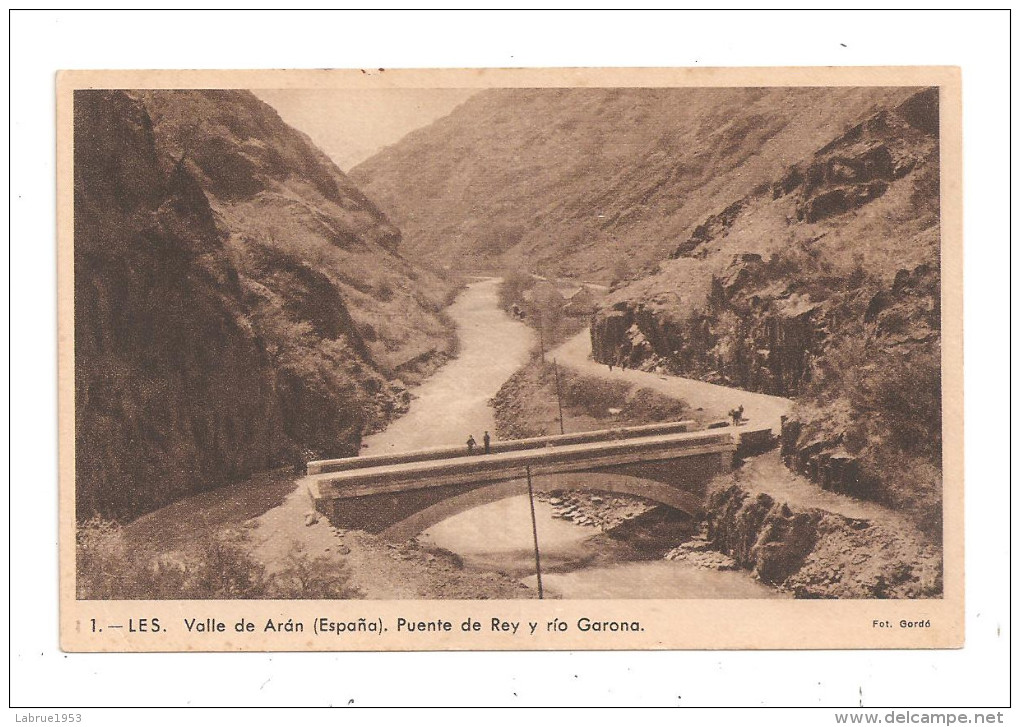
<point x="534" y="532"/>
<point x="559" y="398"/>
<point x="541" y="338"/>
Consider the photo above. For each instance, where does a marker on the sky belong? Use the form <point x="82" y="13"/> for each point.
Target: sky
<point x="350" y="125"/>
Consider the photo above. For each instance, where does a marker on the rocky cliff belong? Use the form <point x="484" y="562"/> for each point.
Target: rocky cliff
<point x="818" y="554"/>
<point x="237" y="299"/>
<point x="823" y="285"/>
<point x="601" y="183"/>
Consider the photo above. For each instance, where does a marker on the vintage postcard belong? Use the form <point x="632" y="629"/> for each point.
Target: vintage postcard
<point x="510" y="359"/>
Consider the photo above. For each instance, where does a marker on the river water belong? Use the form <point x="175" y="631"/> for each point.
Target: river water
<point x="577" y="561"/>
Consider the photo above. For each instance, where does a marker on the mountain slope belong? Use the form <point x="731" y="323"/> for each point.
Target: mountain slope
<point x="237" y="299"/>
<point x="823" y="285"/>
<point x="271" y="188"/>
<point x="596" y="182"/>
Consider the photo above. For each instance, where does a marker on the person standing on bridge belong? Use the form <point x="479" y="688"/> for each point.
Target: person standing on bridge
<point x="485" y="441"/>
<point x="737" y="415"/>
<point x="471" y="444"/>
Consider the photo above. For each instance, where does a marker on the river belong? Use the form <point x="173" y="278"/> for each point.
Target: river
<point x="577" y="562"/>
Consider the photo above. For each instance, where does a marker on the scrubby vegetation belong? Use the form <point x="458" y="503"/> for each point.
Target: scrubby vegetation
<point x="540" y="304"/>
<point x="889" y="417"/>
<point x="526" y="404"/>
<point x="219" y="567"/>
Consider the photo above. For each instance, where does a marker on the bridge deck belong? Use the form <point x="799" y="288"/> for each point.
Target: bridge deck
<point x="413" y="473"/>
<point x="508" y="445"/>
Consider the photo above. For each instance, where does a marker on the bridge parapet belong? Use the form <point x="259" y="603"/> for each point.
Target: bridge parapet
<point x="411" y="475"/>
<point x="497" y="447"/>
<point x="400" y="499"/>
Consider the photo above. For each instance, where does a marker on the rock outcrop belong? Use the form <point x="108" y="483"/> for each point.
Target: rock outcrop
<point x="818" y="554"/>
<point x="760" y="533"/>
<point x="743" y="337"/>
<point x="173" y="390"/>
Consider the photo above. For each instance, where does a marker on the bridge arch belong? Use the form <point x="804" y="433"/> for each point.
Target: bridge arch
<point x="613" y="483"/>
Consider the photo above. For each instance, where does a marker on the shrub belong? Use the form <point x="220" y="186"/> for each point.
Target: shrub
<point x="649" y="405"/>
<point x="225" y="569"/>
<point x="622" y="271"/>
<point x="384" y="291"/>
<point x="904" y="394"/>
<point x="307" y="577"/>
<point x="101" y="558"/>
<point x="592" y="394"/>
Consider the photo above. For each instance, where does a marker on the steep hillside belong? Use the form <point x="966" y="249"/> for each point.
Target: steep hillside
<point x="237" y="300"/>
<point x="601" y="183"/>
<point x="277" y="197"/>
<point x="822" y="285"/>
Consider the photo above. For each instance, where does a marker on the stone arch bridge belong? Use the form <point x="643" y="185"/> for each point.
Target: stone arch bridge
<point x="401" y="495"/>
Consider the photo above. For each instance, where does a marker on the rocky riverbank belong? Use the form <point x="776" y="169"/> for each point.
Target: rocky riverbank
<point x="382" y="570"/>
<point x="643" y="529"/>
<point x="768" y="521"/>
<point x="604" y="512"/>
<point x="777" y="525"/>
<point x="814" y="553"/>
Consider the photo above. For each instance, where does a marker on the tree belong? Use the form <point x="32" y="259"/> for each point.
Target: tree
<point x="514" y="285"/>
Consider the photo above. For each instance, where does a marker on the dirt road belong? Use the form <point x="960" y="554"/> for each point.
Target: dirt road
<point x="764" y="474"/>
<point x="759" y="409"/>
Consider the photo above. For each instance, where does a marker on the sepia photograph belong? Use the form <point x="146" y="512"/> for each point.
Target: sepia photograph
<point x="383" y="341"/>
<point x="487" y="358"/>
